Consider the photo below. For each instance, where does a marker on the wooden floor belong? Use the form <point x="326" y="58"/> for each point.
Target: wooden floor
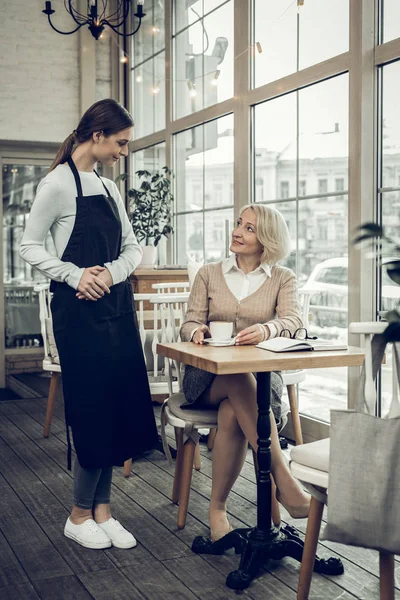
<point x="37" y="561"/>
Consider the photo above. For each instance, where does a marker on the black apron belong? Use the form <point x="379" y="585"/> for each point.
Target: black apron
<point x="106" y="390"/>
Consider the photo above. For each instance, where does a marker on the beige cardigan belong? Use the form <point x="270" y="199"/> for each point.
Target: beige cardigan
<point x="211" y="300"/>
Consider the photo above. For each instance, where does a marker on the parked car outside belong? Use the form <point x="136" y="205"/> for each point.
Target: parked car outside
<point x="327" y="288"/>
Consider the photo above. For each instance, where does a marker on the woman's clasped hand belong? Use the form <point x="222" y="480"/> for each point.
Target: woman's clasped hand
<point x="94" y="283"/>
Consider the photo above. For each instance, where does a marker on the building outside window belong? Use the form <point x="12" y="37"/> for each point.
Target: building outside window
<point x="302" y="188"/>
<point x="203" y="155"/>
<point x="322" y="186"/>
<point x="295" y="143"/>
<point x="284" y="189"/>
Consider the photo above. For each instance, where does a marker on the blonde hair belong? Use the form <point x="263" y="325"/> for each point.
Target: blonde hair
<point x="272" y="232"/>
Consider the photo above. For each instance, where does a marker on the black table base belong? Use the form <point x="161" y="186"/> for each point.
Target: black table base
<point x="256" y="551"/>
<point x="263" y="542"/>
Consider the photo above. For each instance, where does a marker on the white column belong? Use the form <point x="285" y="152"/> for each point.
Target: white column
<point x="87" y="64"/>
<point x="362" y="151"/>
<point x="242" y="110"/>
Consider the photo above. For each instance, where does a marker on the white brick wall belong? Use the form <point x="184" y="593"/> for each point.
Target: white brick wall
<point x="39" y="72"/>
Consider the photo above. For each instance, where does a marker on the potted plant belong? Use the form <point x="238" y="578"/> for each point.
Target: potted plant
<point x="150" y="210"/>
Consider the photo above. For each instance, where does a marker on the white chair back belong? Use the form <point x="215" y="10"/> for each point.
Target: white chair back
<point x="171" y="288"/>
<point x="159" y="380"/>
<point x="171" y="310"/>
<point x="43" y="291"/>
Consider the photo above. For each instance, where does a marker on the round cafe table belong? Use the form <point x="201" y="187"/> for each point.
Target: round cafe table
<point x="264" y="541"/>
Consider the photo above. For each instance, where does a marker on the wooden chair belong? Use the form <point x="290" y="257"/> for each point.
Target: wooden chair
<point x="50" y="363"/>
<point x="159" y="381"/>
<point x="292" y="378"/>
<point x="310" y="464"/>
<point x="186" y="422"/>
<point x="179" y="288"/>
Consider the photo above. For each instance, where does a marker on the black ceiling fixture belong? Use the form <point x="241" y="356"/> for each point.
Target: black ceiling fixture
<point x="99" y="15"/>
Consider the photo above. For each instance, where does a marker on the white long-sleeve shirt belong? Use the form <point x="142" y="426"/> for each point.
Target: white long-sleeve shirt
<point x="54" y="210"/>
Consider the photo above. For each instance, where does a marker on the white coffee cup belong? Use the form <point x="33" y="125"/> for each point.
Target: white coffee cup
<point x="221" y="330"/>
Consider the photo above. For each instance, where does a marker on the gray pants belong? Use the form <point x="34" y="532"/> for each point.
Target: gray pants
<point x="91" y="486"/>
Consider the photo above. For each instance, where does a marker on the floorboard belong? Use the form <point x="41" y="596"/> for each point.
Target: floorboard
<point x="37" y="561"/>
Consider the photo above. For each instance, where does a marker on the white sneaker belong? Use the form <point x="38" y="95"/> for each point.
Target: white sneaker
<point x="119" y="536"/>
<point x="87" y="534"/>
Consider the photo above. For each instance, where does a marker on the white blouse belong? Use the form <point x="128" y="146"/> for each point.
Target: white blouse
<point x="54" y="210"/>
<point x="243" y="285"/>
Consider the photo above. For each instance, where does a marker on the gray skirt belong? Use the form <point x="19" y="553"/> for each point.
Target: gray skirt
<point x="196" y="382"/>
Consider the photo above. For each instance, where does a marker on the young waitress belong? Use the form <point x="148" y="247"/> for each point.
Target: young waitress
<point x="106" y="392"/>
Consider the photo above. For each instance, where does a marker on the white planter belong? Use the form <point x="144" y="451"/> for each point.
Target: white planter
<point x="149" y="257"/>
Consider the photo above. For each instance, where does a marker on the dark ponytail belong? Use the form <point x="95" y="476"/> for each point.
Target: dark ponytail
<point x="64" y="151"/>
<point x="108" y="116"/>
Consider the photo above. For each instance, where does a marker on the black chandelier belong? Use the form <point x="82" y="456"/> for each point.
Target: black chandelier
<point x="97" y="16"/>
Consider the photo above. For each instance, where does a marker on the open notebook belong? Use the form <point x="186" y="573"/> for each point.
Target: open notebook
<point x="282" y="344"/>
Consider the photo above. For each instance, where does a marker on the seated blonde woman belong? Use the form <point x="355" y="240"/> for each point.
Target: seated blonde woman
<point x="260" y="298"/>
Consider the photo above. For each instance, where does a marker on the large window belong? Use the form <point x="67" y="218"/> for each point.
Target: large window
<point x="301" y="155"/>
<point x="288" y="37"/>
<point x="150" y="159"/>
<point x="203" y="57"/>
<point x="390" y="20"/>
<point x="204" y="190"/>
<point x="281" y="114"/>
<point x="389" y="198"/>
<point x="148" y="72"/>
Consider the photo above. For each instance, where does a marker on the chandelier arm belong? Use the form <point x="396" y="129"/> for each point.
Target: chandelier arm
<point x="116" y="12"/>
<point x="125" y="7"/>
<point x="72" y="11"/>
<point x="65" y="32"/>
<point x="123" y="34"/>
<point x="102" y="14"/>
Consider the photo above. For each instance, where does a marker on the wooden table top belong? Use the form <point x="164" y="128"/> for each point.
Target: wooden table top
<point x="248" y="359"/>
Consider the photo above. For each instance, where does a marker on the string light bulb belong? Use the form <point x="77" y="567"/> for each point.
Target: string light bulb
<point x="192" y="89"/>
<point x="123" y="58"/>
<point x="259" y="47"/>
<point x="156" y="89"/>
<point x="299" y="4"/>
<point x="214" y="80"/>
<point x="139" y="78"/>
<point x="155" y="29"/>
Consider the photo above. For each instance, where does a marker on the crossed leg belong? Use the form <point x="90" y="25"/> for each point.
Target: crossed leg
<point x="237" y="424"/>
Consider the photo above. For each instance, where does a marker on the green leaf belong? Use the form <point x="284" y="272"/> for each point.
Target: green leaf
<point x="151" y="205"/>
<point x="372" y="228"/>
<point x="121" y="177"/>
<point x="361" y="238"/>
<point x="393" y="270"/>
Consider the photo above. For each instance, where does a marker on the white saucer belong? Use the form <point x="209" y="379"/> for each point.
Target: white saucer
<point x="216" y="343"/>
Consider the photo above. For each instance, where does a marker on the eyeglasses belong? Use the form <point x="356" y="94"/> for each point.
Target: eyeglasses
<point x="300" y="334"/>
